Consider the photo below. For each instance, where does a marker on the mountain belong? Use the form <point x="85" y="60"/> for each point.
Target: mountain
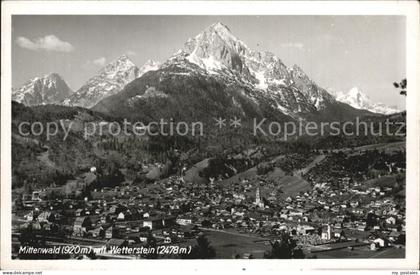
<point x="150" y="65"/>
<point x="359" y="100"/>
<point x="217" y="49"/>
<point x="108" y="81"/>
<point x="216" y="74"/>
<point x="49" y="89"/>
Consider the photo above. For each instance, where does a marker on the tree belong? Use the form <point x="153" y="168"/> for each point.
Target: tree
<point x="27" y="187"/>
<point x="203" y="249"/>
<point x="403" y="86"/>
<point x="284" y="248"/>
<point x="152" y="246"/>
<point x="371" y="220"/>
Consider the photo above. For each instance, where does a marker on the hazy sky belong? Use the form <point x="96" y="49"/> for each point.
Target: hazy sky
<point x="337" y="52"/>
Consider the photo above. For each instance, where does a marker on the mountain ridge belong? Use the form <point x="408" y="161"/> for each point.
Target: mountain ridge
<point x="359" y="100"/>
<point x="107" y="81"/>
<point x="216" y="54"/>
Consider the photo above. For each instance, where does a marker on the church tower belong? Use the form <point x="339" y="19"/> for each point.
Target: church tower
<point x="258" y="200"/>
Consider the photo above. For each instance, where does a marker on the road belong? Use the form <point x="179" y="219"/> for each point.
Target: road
<point x="311" y="165"/>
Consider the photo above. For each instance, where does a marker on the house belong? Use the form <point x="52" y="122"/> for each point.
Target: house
<point x="184" y="220"/>
<point x="361" y="227"/>
<point x="374" y="246"/>
<point x="153" y="223"/>
<point x="98" y="232"/>
<point x="167" y="240"/>
<point x="391" y="220"/>
<point x="338" y="234"/>
<point x="79" y="212"/>
<point x="305" y="229"/>
<point x="104" y="218"/>
<point x="36" y="196"/>
<point x="158" y="222"/>
<point x="109" y="233"/>
<point x="47" y="226"/>
<point x="30" y="216"/>
<point x="144" y="236"/>
<point x="121" y="216"/>
<point x="45" y="216"/>
<point x="326" y="233"/>
<point x="393" y="236"/>
<point x="117" y="208"/>
<point x="81" y="226"/>
<point x="354" y="204"/>
<point x="381" y="242"/>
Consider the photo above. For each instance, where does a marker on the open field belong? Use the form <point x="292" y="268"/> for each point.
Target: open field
<point x="289" y="185"/>
<point x="227" y="244"/>
<point x="360" y="253"/>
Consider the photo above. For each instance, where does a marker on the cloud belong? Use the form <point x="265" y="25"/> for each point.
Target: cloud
<point x="132" y="53"/>
<point x="294" y="45"/>
<point x="92" y="64"/>
<point x="47" y="43"/>
<point x="99" y="61"/>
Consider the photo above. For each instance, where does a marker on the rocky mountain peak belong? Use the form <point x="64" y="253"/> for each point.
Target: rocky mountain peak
<point x="48" y="89"/>
<point x="108" y="81"/>
<point x="215" y="48"/>
<point x="220" y="29"/>
<point x="218" y="51"/>
<point x="122" y="63"/>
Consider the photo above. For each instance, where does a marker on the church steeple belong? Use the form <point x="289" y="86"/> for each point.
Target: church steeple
<point x="258" y="200"/>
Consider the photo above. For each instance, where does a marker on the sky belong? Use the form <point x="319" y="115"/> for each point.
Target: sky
<point x="337" y="52"/>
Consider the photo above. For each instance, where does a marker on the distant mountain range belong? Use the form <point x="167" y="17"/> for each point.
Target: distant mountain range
<point x="359" y="100"/>
<point x="108" y="81"/>
<point x="214" y="73"/>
